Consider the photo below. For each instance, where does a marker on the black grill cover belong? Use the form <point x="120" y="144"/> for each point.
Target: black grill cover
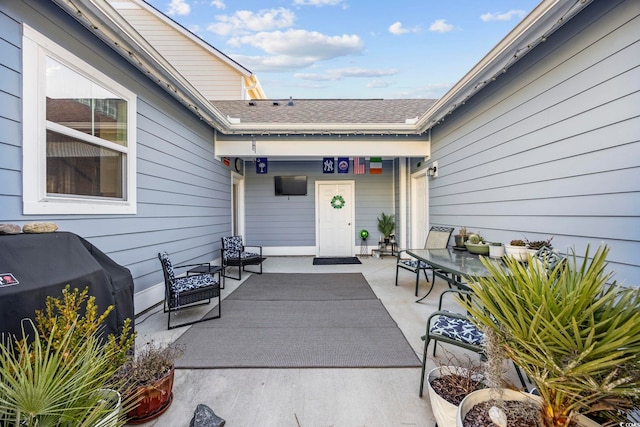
<point x="43" y="264"/>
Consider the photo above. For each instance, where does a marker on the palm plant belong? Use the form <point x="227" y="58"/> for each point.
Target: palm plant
<point x="386" y="224"/>
<point x="55" y="380"/>
<point x="576" y="335"/>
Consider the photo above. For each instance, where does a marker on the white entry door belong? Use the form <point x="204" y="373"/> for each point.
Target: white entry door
<point x="335" y="213"/>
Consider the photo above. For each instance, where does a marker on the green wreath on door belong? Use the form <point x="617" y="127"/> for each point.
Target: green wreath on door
<point x="337" y="202"/>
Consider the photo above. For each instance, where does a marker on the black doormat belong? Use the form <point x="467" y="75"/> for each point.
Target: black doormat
<point x="336" y="261"/>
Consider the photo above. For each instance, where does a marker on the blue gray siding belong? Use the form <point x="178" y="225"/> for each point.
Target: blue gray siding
<point x="552" y="147"/>
<point x="281" y="221"/>
<point x="183" y="193"/>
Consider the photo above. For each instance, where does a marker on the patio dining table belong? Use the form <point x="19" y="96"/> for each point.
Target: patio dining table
<point x="452" y="265"/>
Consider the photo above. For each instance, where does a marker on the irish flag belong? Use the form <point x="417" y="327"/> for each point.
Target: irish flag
<point x="375" y="165"/>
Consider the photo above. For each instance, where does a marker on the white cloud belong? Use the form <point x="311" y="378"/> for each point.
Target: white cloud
<point x="247" y="21"/>
<point x="507" y="16"/>
<point x="317" y="3"/>
<point x="302" y="43"/>
<point x="397" y="29"/>
<point x="178" y="7"/>
<point x="218" y="4"/>
<point x="341" y="73"/>
<point x="441" y="26"/>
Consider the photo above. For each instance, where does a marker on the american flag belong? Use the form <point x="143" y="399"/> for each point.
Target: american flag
<point x="358" y="165"/>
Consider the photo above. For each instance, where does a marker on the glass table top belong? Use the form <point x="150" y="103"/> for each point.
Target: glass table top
<point x="459" y="263"/>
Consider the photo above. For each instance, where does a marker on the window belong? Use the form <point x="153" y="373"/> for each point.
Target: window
<point x="79" y="135"/>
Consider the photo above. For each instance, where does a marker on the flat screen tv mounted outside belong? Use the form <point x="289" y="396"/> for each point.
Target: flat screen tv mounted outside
<point x="291" y="185"/>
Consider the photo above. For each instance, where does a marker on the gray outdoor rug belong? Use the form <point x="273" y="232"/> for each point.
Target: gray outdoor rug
<point x="339" y="324"/>
<point x="303" y="287"/>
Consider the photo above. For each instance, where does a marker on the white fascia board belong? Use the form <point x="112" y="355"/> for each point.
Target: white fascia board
<point x="320" y="129"/>
<point x="298" y="147"/>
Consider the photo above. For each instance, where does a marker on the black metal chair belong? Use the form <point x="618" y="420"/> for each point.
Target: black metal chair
<point x="455" y="329"/>
<point x="438" y="238"/>
<point x="188" y="291"/>
<point x="235" y="254"/>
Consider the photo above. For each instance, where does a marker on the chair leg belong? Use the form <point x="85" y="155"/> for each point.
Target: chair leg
<point x="397" y="270"/>
<point x="169" y="326"/>
<point x="522" y="381"/>
<point x="424" y="363"/>
<point x="224" y="272"/>
<point x="417" y="280"/>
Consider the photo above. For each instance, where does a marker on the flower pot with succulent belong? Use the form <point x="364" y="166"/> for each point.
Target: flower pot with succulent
<point x="148" y="379"/>
<point x="475" y="244"/>
<point x="572" y="330"/>
<point x="517" y="249"/>
<point x="536" y="245"/>
<point x="386" y="225"/>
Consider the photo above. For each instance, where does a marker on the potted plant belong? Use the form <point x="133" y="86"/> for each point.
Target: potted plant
<point x="536" y="245"/>
<point x="57" y="380"/>
<point x="386" y="225"/>
<point x="72" y="321"/>
<point x="517" y="249"/>
<point x="475" y="244"/>
<point x="574" y="333"/>
<point x="448" y="384"/>
<point x="461" y="237"/>
<point x="148" y="380"/>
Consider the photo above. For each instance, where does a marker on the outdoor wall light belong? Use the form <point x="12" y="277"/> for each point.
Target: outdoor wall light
<point x="433" y="170"/>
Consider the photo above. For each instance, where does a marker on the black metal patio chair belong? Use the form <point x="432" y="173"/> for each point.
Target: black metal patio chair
<point x="235" y="254"/>
<point x="188" y="291"/>
<point x="456" y="329"/>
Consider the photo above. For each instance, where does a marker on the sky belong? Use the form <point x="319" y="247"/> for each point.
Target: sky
<point x="389" y="49"/>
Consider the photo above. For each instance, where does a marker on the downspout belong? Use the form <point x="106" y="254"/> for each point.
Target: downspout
<point x="403" y="215"/>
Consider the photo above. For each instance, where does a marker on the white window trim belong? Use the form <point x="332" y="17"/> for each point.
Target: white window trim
<point x="35" y="48"/>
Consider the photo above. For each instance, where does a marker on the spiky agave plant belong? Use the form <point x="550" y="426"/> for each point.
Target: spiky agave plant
<point x="575" y="334"/>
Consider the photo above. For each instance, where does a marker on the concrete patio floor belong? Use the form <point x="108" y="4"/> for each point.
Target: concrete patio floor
<point x="309" y="397"/>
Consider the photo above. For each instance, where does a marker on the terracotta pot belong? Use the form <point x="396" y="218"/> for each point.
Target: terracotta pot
<point x="486" y="394"/>
<point x="152" y="400"/>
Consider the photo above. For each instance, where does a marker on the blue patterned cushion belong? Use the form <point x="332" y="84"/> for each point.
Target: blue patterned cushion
<point x="413" y="263"/>
<point x="233" y="243"/>
<point x="189" y="283"/>
<point x="164" y="257"/>
<point x="458" y="329"/>
<point x="243" y="255"/>
<point x="192" y="282"/>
